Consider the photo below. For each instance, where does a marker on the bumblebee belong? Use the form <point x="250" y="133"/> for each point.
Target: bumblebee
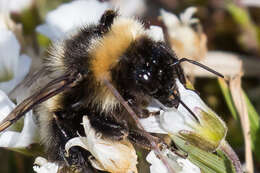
<point x="96" y="71"/>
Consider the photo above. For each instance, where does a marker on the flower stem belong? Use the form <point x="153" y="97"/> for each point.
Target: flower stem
<point x="232" y="156"/>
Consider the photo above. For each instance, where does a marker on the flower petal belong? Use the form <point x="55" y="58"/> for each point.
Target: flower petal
<point x="12" y="139"/>
<point x="6" y="105"/>
<point x="9" y="54"/>
<point x="186" y="17"/>
<point x="156" y="164"/>
<point x="179" y="32"/>
<point x="41" y="165"/>
<point x="170" y="19"/>
<point x="180" y="165"/>
<point x="207" y="134"/>
<point x="251" y="3"/>
<point x="129" y="8"/>
<point x="8" y="139"/>
<point x="181" y="117"/>
<point x="21" y="71"/>
<point x="28" y="134"/>
<point x="175" y="121"/>
<point x="70" y="16"/>
<point x="156" y="33"/>
<point x="4" y="19"/>
<point x="15" y="6"/>
<point x="152" y="124"/>
<point x="111" y="156"/>
<point x="184" y="39"/>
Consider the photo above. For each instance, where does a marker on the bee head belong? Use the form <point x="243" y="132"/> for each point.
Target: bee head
<point x="151" y="71"/>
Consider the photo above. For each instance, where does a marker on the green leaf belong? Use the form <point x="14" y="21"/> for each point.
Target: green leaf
<point x="206" y="161"/>
<point x="32" y="150"/>
<point x="43" y="40"/>
<point x="239" y="14"/>
<point x="242" y="17"/>
<point x="226" y="160"/>
<point x="228" y="98"/>
<point x="208" y="134"/>
<point x="29" y="18"/>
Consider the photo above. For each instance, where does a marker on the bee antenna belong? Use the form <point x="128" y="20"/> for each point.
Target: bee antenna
<point x="186" y="107"/>
<point x="198" y="64"/>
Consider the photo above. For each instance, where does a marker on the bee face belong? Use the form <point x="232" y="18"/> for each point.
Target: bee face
<point x="153" y="71"/>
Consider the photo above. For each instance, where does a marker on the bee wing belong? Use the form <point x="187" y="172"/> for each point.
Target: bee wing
<point x="32" y="82"/>
<point x="53" y="88"/>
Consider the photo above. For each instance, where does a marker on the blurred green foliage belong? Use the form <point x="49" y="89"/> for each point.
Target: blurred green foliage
<point x="207" y="162"/>
<point x="253" y="116"/>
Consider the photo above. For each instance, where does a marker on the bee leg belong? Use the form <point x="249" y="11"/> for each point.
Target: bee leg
<point x="140" y="111"/>
<point x="179" y="153"/>
<point x="78" y="160"/>
<point x="180" y="74"/>
<point x="109" y="127"/>
<point x="76" y="157"/>
<point x="182" y="79"/>
<point x="138" y="137"/>
<point x="145" y="113"/>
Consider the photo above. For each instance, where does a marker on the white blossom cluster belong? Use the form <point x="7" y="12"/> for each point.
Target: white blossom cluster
<point x="14" y="66"/>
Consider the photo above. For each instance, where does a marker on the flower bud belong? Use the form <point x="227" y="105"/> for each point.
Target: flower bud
<point x="206" y="131"/>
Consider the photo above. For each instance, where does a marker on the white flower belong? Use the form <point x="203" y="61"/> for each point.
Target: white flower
<point x="185" y="41"/>
<point x="111" y="156"/>
<point x="179" y="165"/>
<point x="13" y="66"/>
<point x="251" y="3"/>
<point x="70" y="16"/>
<point x="41" y="165"/>
<point x="9" y="54"/>
<point x="129" y="8"/>
<point x="15" y="6"/>
<point x="5" y="21"/>
<point x="206" y="134"/>
<point x="156" y="33"/>
<point x="10" y="138"/>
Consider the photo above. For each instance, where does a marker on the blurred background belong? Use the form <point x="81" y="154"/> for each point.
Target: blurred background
<point x="232" y="30"/>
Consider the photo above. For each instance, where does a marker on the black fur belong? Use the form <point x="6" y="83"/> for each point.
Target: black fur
<point x="146" y="69"/>
<point x="107" y="20"/>
<point x="76" y="57"/>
